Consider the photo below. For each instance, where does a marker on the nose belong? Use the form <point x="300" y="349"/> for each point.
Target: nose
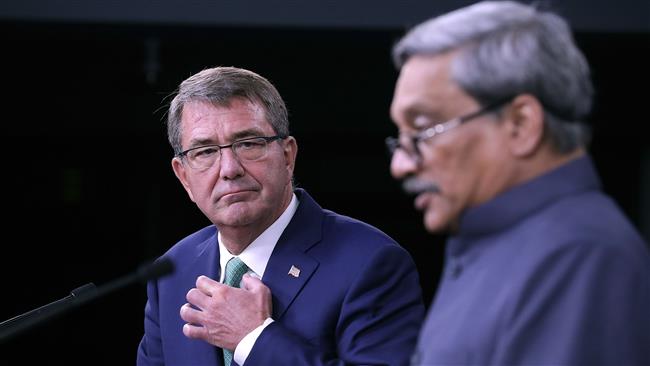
<point x="402" y="165"/>
<point x="229" y="165"/>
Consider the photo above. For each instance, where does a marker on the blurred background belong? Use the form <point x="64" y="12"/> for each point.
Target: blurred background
<point x="88" y="190"/>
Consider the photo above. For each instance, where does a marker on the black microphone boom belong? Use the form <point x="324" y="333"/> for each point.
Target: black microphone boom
<point x="79" y="296"/>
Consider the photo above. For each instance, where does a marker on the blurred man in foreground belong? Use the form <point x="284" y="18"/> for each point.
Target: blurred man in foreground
<point x="541" y="267"/>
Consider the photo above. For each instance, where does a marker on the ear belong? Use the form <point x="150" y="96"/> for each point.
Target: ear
<point x="524" y="119"/>
<point x="181" y="174"/>
<point x="290" y="150"/>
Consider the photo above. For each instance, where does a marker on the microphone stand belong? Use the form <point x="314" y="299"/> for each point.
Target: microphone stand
<point x="79" y="296"/>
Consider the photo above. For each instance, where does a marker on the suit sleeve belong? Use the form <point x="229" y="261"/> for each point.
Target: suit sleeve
<point x="150" y="349"/>
<point x="379" y="320"/>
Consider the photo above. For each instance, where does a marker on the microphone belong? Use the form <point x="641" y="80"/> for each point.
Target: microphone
<point x="81" y="295"/>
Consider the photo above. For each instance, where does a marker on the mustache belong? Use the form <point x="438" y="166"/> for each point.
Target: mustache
<point x="414" y="186"/>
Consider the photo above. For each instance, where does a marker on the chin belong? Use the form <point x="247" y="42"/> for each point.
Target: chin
<point x="434" y="229"/>
<point x="234" y="215"/>
<point x="236" y="221"/>
<point x="434" y="223"/>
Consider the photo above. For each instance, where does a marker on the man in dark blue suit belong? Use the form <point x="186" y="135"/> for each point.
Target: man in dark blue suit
<point x="319" y="288"/>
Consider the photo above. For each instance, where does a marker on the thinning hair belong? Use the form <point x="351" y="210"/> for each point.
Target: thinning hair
<point x="219" y="86"/>
<point x="505" y="49"/>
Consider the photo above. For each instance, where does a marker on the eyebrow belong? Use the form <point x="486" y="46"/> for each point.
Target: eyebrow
<point x="251" y="132"/>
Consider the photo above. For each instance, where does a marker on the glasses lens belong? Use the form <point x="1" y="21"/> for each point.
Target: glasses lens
<point x="408" y="146"/>
<point x="251" y="149"/>
<point x="203" y="157"/>
<point x="392" y="144"/>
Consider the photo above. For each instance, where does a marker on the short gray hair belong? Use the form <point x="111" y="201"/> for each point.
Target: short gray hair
<point x="219" y="86"/>
<point x="506" y="49"/>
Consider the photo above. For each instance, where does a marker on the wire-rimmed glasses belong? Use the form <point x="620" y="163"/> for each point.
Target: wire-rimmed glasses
<point x="247" y="149"/>
<point x="411" y="145"/>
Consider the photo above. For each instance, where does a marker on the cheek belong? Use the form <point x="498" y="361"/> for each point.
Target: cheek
<point x="202" y="185"/>
<point x="455" y="165"/>
<point x="272" y="175"/>
<point x="445" y="162"/>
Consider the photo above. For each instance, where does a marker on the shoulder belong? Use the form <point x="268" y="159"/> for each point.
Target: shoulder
<point x="354" y="238"/>
<point x="192" y="244"/>
<point x="337" y="230"/>
<point x="581" y="233"/>
<point x="345" y="227"/>
<point x="584" y="233"/>
<point x="591" y="221"/>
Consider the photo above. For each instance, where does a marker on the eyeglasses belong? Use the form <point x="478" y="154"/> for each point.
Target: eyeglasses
<point x="248" y="149"/>
<point x="412" y="145"/>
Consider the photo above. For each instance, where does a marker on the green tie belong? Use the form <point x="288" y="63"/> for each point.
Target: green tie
<point x="235" y="269"/>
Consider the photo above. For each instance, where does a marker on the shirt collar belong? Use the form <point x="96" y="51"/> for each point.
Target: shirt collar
<point x="257" y="254"/>
<point x="521" y="201"/>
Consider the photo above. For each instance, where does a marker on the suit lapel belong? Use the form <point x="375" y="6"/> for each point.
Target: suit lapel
<point x="204" y="262"/>
<point x="207" y="259"/>
<point x="290" y="267"/>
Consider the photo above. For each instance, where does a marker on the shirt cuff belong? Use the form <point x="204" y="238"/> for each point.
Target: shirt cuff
<point x="245" y="346"/>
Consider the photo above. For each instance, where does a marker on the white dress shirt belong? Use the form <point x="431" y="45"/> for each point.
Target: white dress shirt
<point x="256" y="257"/>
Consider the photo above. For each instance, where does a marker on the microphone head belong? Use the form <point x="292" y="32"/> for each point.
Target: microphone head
<point x="84" y="290"/>
<point x="159" y="268"/>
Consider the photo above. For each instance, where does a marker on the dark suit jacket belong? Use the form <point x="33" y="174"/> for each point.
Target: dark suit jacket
<point x="357" y="299"/>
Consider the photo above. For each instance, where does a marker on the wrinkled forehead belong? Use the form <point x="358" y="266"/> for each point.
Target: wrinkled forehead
<point x="206" y="121"/>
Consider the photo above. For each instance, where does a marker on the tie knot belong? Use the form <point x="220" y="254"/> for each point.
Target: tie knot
<point x="235" y="269"/>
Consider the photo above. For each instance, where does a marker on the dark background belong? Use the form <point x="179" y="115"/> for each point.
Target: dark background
<point x="88" y="190"/>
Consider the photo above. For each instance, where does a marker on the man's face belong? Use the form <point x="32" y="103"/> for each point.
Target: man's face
<point x="458" y="168"/>
<point x="236" y="193"/>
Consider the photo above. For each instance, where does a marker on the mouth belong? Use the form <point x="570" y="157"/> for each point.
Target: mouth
<point x="235" y="196"/>
<point x="424" y="191"/>
<point x="423" y="200"/>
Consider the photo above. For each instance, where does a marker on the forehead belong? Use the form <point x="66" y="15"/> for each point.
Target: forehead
<point x="425" y="86"/>
<point x="204" y="120"/>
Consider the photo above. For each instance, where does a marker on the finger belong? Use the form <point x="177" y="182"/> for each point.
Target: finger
<point x="193" y="331"/>
<point x="207" y="285"/>
<point x="191" y="315"/>
<point x="197" y="298"/>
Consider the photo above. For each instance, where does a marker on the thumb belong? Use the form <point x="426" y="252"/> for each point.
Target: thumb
<point x="251" y="282"/>
<point x="261" y="293"/>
